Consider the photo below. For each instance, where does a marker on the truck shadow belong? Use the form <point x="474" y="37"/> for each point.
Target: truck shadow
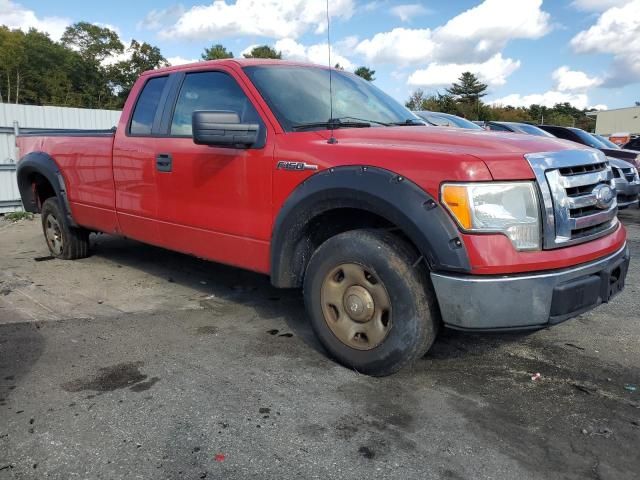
<point x="237" y="286"/>
<point x="219" y="284"/>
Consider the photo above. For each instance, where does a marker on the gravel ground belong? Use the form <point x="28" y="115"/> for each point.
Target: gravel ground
<point x="143" y="363"/>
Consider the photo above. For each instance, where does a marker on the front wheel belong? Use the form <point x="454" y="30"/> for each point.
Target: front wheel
<point x="64" y="241"/>
<point x="370" y="302"/>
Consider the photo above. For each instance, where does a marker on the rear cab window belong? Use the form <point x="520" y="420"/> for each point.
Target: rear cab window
<point x="147" y="105"/>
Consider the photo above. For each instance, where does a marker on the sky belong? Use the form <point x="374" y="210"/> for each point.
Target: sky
<point x="586" y="52"/>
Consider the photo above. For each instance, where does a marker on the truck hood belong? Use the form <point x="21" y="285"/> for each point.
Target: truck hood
<point x="453" y="140"/>
<point x="503" y="153"/>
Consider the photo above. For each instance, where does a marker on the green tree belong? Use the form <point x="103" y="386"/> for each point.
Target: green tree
<point x="434" y="103"/>
<point x="263" y="51"/>
<point x="338" y="67"/>
<point x="365" y="73"/>
<point x="124" y="73"/>
<point x="92" y="41"/>
<point x="416" y="100"/>
<point x="216" y="52"/>
<point x="12" y="64"/>
<point x="469" y="89"/>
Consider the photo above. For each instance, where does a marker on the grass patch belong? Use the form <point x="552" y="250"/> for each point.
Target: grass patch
<point x="17" y="216"/>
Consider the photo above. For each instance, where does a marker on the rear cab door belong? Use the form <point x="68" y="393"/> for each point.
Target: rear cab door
<point x="134" y="158"/>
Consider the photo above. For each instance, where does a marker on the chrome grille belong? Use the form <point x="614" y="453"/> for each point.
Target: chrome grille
<point x="567" y="180"/>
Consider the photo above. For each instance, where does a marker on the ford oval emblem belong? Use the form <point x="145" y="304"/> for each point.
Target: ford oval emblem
<point x="604" y="196"/>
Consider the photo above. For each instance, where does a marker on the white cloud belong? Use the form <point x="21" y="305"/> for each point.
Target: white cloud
<point x="547" y="99"/>
<point x="599" y="106"/>
<point x="318" y="53"/>
<point x="484" y="30"/>
<point x="573" y="80"/>
<point x="267" y="18"/>
<point x="399" y="46"/>
<point x="371" y="6"/>
<point x="178" y="60"/>
<point x="408" y="12"/>
<point x="616" y="32"/>
<point x="15" y="16"/>
<point x="494" y="72"/>
<point x="473" y="36"/>
<point x="597" y="5"/>
<point x="156" y="19"/>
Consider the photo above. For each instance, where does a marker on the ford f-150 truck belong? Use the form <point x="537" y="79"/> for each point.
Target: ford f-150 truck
<point x="392" y="228"/>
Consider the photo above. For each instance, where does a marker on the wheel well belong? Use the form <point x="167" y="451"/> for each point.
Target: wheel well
<point x="328" y="224"/>
<point x="41" y="187"/>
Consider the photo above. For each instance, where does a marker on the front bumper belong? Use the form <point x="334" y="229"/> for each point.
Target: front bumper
<point x="627" y="192"/>
<point x="474" y="302"/>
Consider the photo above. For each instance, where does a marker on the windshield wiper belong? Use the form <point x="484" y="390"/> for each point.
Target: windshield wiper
<point x="332" y="123"/>
<point x="377" y="122"/>
<point x="410" y="122"/>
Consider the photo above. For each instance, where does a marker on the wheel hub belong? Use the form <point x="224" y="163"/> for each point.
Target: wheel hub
<point x="359" y="304"/>
<point x="356" y="306"/>
<point x="53" y="233"/>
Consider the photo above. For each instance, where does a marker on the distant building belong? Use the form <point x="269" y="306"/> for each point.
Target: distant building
<point x="617" y="120"/>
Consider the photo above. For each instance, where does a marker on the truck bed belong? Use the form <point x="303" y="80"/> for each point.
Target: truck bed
<point x="84" y="159"/>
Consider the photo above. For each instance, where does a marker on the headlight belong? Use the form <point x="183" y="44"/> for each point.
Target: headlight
<point x="510" y="208"/>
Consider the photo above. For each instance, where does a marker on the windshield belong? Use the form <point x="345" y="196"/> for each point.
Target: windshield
<point x="588" y="139"/>
<point x="300" y="95"/>
<point x="607" y="142"/>
<point x="445" y="120"/>
<point x="532" y="130"/>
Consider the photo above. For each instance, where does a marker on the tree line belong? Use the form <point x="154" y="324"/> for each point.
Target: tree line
<point x="464" y="98"/>
<point x="89" y="67"/>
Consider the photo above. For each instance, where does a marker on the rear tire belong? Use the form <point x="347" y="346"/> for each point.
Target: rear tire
<point x="64" y="241"/>
<point x="370" y="301"/>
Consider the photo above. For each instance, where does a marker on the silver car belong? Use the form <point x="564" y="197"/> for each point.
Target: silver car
<point x="626" y="181"/>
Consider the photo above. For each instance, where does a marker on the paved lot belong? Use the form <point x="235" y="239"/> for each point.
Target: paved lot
<point x="142" y="363"/>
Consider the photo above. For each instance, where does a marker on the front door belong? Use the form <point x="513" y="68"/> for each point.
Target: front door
<point x="214" y="202"/>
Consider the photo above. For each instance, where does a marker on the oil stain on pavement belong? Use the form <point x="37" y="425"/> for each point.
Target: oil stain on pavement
<point x="114" y="377"/>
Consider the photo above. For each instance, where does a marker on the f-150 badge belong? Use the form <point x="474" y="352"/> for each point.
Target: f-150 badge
<point x="282" y="165"/>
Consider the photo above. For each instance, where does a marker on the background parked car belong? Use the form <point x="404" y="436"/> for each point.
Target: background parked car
<point x="607" y="142"/>
<point x="580" y="136"/>
<point x="620" y="138"/>
<point x="517" y="127"/>
<point x="626" y="181"/>
<point x="439" y="119"/>
<point x="633" y="144"/>
<point x="623" y="162"/>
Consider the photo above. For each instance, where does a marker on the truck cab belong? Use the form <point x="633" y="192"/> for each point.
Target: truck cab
<point x="392" y="229"/>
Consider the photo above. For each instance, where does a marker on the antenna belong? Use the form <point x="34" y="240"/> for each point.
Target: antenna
<point x="332" y="139"/>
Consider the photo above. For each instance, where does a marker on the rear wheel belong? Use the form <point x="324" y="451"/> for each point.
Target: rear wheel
<point x="370" y="302"/>
<point x="64" y="241"/>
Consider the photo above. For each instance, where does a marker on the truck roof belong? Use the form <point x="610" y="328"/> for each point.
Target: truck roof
<point x="241" y="62"/>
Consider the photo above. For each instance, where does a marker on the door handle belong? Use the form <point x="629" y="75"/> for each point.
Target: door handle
<point x="164" y="162"/>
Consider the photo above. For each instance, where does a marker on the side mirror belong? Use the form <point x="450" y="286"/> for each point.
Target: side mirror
<point x="223" y="129"/>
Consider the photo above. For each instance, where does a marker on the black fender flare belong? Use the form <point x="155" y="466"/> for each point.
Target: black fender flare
<point x="382" y="192"/>
<point x="43" y="164"/>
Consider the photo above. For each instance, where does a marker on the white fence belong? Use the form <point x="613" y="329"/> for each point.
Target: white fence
<point x="15" y="117"/>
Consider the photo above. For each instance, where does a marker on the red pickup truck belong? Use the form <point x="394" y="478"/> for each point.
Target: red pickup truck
<point x="391" y="227"/>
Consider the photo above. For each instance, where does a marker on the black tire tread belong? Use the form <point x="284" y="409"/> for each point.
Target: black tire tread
<point x="76" y="240"/>
<point x="406" y="260"/>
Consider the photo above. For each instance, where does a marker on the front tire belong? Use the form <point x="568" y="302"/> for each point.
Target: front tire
<point x="370" y="302"/>
<point x="64" y="241"/>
